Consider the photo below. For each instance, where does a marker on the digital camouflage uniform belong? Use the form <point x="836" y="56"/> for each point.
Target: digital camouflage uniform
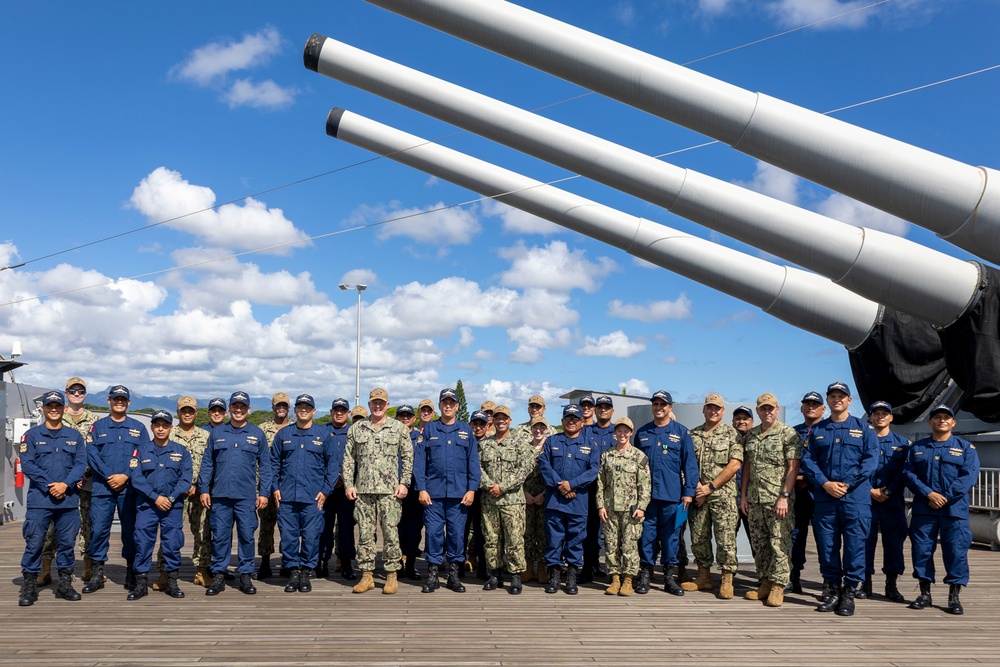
<point x="534" y="515"/>
<point x="767" y="455"/>
<point x="269" y="515"/>
<point x="87" y="419"/>
<point x="720" y="512"/>
<point x="377" y="459"/>
<point x="624" y="485"/>
<point x="198" y="516"/>
<point x="505" y="462"/>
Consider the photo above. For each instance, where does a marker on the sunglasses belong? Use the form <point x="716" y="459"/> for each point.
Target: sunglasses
<point x="76" y="392"/>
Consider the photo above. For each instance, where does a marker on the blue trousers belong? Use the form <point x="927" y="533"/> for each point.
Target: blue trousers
<point x="36" y="524"/>
<point x="444" y="522"/>
<point x="226" y="512"/>
<point x="564" y="535"/>
<point x="300" y="525"/>
<point x="890" y="521"/>
<point x="659" y="531"/>
<point x="804" y="508"/>
<point x="956" y="538"/>
<point x="148" y="519"/>
<point x="338" y="511"/>
<point x="102" y="514"/>
<point x="836" y="522"/>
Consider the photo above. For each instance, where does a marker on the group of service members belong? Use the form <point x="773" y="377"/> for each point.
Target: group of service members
<point x="541" y="495"/>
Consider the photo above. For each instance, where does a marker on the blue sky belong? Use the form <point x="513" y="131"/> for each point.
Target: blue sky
<point x="120" y="115"/>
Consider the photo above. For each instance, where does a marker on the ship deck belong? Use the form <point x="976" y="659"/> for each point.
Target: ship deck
<point x="331" y="626"/>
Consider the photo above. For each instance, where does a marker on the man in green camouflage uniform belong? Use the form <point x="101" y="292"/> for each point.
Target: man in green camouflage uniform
<point x="195" y="440"/>
<point x="536" y="408"/>
<point x="772" y="450"/>
<point x="624" y="488"/>
<point x="720" y="454"/>
<point x="378" y="461"/>
<point x="269" y="515"/>
<point x="78" y="417"/>
<point x="505" y="460"/>
<point x="534" y="511"/>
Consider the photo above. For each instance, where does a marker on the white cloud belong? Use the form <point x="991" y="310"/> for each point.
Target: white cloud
<point x="516" y="221"/>
<point x="359" y="277"/>
<point x="636" y="387"/>
<point x="465" y="337"/>
<point x="624" y="13"/>
<point x="717" y="7"/>
<point x="263" y="95"/>
<point x="554" y="267"/>
<point x="655" y="311"/>
<point x="794" y="13"/>
<point x="532" y="340"/>
<point x="166" y="195"/>
<point x="212" y="62"/>
<point x="614" y="344"/>
<point x="484" y="355"/>
<point x="433" y="224"/>
<point x="773" y="182"/>
<point x="851" y="211"/>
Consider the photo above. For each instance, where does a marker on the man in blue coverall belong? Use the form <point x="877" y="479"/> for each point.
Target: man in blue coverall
<point x="941" y="471"/>
<point x="674" y="469"/>
<point x="603" y="431"/>
<point x="888" y="504"/>
<point x="306" y="460"/>
<point x="446" y="475"/>
<point x="111" y="444"/>
<point x="53" y="458"/>
<point x="338" y="510"/>
<point x="838" y="458"/>
<point x="229" y="485"/>
<point x="160" y="473"/>
<point x="569" y="464"/>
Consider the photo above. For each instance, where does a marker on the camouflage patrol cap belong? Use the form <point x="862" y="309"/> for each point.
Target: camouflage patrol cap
<point x="217" y="403"/>
<point x="280" y="397"/>
<point x="501" y="410"/>
<point x="54" y="396"/>
<point x="378" y="394"/>
<point x="538" y="420"/>
<point x="162" y="415"/>
<point x="187" y="402"/>
<point x="624" y="421"/>
<point x="72" y="381"/>
<point x="604" y="399"/>
<point x="405" y="409"/>
<point x="716" y="400"/>
<point x="587" y="398"/>
<point x="359" y="411"/>
<point x="537" y="400"/>
<point x="426" y="403"/>
<point x="488" y="406"/>
<point x="767" y="399"/>
<point x="480" y="416"/>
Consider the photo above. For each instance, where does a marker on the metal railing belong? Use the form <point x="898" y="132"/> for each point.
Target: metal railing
<point x="985" y="494"/>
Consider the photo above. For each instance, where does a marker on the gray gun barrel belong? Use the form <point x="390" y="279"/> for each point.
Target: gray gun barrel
<point x="802" y="299"/>
<point x="957" y="201"/>
<point x="895" y="272"/>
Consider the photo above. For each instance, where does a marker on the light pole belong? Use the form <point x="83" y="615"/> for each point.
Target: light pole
<point x="357" y="373"/>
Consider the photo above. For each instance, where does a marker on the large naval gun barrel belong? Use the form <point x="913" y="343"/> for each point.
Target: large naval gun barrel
<point x="959" y="202"/>
<point x="802" y="299"/>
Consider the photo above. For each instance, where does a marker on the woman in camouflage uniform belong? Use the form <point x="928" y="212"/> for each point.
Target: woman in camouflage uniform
<point x="534" y="517"/>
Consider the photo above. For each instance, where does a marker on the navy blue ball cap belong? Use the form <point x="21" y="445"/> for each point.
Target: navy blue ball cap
<point x="479" y="415"/>
<point x="307" y="399"/>
<point x="663" y="396"/>
<point x="447" y="393"/>
<point x="587" y="398"/>
<point x="744" y="409"/>
<point x="120" y="391"/>
<point x="942" y="408"/>
<point x="162" y="414"/>
<point x="240" y="397"/>
<point x="342" y="403"/>
<point x="405" y="409"/>
<point x="604" y="400"/>
<point x="814" y="397"/>
<point x="879" y="405"/>
<point x="572" y="411"/>
<point x="54" y="396"/>
<point x="838" y="386"/>
<point x="217" y="403"/>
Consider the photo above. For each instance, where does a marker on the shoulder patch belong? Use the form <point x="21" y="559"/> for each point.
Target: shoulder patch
<point x="24" y="447"/>
<point x="134" y="463"/>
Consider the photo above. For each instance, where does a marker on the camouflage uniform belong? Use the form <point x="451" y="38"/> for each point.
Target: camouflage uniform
<point x="523" y="431"/>
<point x="534" y="515"/>
<point x="505" y="462"/>
<point x="720" y="510"/>
<point x="767" y="455"/>
<point x="87" y="419"/>
<point x="624" y="485"/>
<point x="198" y="516"/>
<point x="377" y="459"/>
<point x="269" y="515"/>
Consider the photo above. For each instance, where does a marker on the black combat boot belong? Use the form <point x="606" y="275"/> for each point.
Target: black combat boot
<point x="553" y="585"/>
<point x="515" y="584"/>
<point x="891" y="591"/>
<point x="246" y="585"/>
<point x="410" y="569"/>
<point x="571" y="574"/>
<point x="229" y="575"/>
<point x="796" y="582"/>
<point x="431" y="583"/>
<point x="173" y="590"/>
<point x="642" y="586"/>
<point x="954" y="604"/>
<point x="293" y="581"/>
<point x="218" y="584"/>
<point x="141" y="589"/>
<point x="454" y="582"/>
<point x="924" y="599"/>
<point x="599" y="571"/>
<point x="29" y="590"/>
<point x="347" y="570"/>
<point x="846" y="606"/>
<point x="65" y="589"/>
<point x="96" y="582"/>
<point x="865" y="591"/>
<point x="586" y="574"/>
<point x="493" y="582"/>
<point x="305" y="586"/>
<point x="481" y="570"/>
<point x="264" y="572"/>
<point x="831" y="597"/>
<point x="670" y="584"/>
<point x="130" y="578"/>
<point x="322" y="569"/>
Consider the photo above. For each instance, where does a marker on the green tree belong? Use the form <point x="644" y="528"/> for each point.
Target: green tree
<point x="463" y="406"/>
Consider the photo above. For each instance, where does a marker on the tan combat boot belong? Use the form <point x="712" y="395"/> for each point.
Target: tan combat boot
<point x="615" y="587"/>
<point x="626" y="588"/>
<point x="726" y="589"/>
<point x="88" y="568"/>
<point x="161" y="583"/>
<point x="776" y="596"/>
<point x="529" y="573"/>
<point x="202" y="577"/>
<point x="390" y="584"/>
<point x="762" y="591"/>
<point x="45" y="577"/>
<point x="366" y="584"/>
<point x="703" y="582"/>
<point x="543" y="574"/>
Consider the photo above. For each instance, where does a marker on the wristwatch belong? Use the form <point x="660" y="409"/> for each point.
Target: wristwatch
<point x="711" y="485"/>
<point x="786" y="494"/>
<point x="171" y="499"/>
